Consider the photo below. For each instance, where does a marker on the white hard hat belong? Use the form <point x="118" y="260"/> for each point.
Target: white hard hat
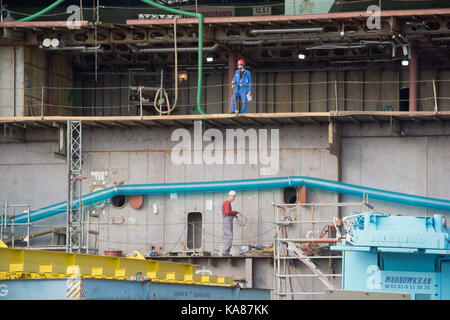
<point x="232" y="193"/>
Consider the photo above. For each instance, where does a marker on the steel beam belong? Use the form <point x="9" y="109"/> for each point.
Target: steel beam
<point x="36" y="264"/>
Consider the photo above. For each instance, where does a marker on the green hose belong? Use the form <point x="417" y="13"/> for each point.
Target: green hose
<point x="39" y="13"/>
<point x="200" y="45"/>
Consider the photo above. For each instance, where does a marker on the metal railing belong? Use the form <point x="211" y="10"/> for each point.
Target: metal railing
<point x="283" y="245"/>
<point x="432" y="97"/>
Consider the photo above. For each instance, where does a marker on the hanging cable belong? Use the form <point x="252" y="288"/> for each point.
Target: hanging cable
<point x="162" y="90"/>
<point x="200" y="45"/>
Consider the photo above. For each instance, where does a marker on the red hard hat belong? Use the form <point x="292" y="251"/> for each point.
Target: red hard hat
<point x="241" y="62"/>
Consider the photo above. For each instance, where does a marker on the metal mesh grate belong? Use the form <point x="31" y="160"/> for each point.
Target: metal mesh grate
<point x="422" y="296"/>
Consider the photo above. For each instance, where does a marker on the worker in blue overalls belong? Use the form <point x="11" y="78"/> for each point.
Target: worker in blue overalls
<point x="242" y="84"/>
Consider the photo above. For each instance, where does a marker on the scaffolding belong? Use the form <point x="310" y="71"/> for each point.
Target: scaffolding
<point x="74" y="222"/>
<point x="7" y="230"/>
<point x="307" y="248"/>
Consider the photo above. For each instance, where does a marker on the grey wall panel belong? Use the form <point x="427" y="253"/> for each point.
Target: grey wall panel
<point x="300" y="93"/>
<point x="438" y="166"/>
<point x="443" y="89"/>
<point x="283" y="92"/>
<point x="318" y="88"/>
<point x="396" y="164"/>
<point x="213" y="92"/>
<point x="389" y="89"/>
<point x="425" y="90"/>
<point x="353" y="90"/>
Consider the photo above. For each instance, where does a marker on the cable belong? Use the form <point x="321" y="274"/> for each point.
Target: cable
<point x="241" y="219"/>
<point x="170" y="109"/>
<point x="179" y="238"/>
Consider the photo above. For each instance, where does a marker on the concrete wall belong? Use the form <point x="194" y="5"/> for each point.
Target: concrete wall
<point x="143" y="156"/>
<point x="12" y="81"/>
<point x="31" y="69"/>
<point x="413" y="160"/>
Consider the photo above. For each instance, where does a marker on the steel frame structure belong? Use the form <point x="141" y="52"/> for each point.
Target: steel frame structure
<point x="74" y="223"/>
<point x="237" y="34"/>
<point x="285" y="248"/>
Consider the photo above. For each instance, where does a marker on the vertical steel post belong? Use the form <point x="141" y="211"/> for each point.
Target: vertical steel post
<point x="413" y="70"/>
<point x="3" y="220"/>
<point x="28" y="227"/>
<point x="140" y="102"/>
<point x="42" y="103"/>
<point x="74" y="228"/>
<point x="231" y="68"/>
<point x="12" y="231"/>
<point x="335" y="95"/>
<point x="435" y="96"/>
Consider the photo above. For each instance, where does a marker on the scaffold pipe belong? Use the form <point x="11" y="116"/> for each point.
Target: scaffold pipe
<point x="252" y="184"/>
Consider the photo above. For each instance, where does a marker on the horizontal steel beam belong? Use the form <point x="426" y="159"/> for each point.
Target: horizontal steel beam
<point x="35" y="264"/>
<point x="102" y="289"/>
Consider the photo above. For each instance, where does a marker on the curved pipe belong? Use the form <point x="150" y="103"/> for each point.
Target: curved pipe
<point x="253" y="184"/>
<point x="39" y="13"/>
<point x="200" y="45"/>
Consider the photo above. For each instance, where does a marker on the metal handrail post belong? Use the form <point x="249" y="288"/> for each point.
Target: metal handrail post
<point x="28" y="228"/>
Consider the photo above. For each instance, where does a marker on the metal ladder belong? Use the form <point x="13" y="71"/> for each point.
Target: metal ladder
<point x="307" y="261"/>
<point x="286" y="248"/>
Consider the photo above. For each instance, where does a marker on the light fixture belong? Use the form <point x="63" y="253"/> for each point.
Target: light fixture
<point x="54" y="43"/>
<point x="405" y="62"/>
<point x="303" y="54"/>
<point x="210" y="58"/>
<point x="405" y="50"/>
<point x="182" y="75"/>
<point x="47" y="43"/>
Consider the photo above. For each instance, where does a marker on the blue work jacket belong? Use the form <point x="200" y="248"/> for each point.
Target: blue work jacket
<point x="244" y="84"/>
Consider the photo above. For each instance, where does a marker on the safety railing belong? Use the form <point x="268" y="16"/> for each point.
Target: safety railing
<point x="305" y="246"/>
<point x="269" y="97"/>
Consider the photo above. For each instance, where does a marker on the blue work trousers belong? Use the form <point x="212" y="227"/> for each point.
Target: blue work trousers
<point x="243" y="94"/>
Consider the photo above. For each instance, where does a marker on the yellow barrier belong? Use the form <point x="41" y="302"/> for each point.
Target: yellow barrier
<point x="38" y="264"/>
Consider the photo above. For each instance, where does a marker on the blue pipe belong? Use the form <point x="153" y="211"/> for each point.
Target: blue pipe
<point x="253" y="184"/>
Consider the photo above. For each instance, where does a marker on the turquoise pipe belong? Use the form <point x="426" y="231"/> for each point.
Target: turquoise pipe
<point x="200" y="45"/>
<point x="43" y="11"/>
<point x="254" y="184"/>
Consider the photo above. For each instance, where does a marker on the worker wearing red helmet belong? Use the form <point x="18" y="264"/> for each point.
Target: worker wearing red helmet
<point x="243" y="85"/>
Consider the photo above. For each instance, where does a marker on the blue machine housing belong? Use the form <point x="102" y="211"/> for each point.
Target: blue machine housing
<point x="402" y="254"/>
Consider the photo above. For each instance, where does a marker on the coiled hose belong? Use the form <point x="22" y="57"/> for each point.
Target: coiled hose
<point x="155" y="104"/>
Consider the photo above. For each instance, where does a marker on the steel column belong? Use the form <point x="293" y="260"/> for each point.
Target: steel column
<point x="231" y="68"/>
<point x="413" y="70"/>
<point x="74" y="225"/>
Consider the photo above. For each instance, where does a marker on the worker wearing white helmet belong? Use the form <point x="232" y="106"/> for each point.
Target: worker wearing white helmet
<point x="228" y="217"/>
